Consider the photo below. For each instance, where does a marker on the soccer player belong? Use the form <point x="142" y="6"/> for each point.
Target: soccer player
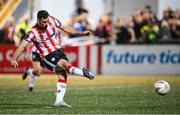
<point x="43" y="36"/>
<point x="37" y="63"/>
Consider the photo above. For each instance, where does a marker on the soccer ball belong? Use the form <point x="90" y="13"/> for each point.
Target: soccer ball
<point x="162" y="87"/>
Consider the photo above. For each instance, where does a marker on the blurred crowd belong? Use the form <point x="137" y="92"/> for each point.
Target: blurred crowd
<point x="13" y="34"/>
<point x="142" y="26"/>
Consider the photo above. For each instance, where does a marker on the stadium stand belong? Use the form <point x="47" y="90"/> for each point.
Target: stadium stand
<point x="7" y="8"/>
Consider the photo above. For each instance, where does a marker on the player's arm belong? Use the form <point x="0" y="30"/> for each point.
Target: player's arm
<point x="71" y="30"/>
<point x="18" y="52"/>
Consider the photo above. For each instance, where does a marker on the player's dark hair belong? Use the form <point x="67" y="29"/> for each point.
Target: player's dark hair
<point x="82" y="11"/>
<point x="42" y="14"/>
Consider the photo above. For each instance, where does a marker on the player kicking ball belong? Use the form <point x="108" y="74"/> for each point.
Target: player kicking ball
<point x="43" y="36"/>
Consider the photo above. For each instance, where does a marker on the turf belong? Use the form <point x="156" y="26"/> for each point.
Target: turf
<point x="104" y="95"/>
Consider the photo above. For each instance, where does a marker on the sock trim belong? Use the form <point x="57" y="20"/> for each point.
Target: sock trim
<point x="68" y="67"/>
<point x="62" y="80"/>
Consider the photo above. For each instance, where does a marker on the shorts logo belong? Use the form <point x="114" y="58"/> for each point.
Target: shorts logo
<point x="33" y="56"/>
<point x="53" y="59"/>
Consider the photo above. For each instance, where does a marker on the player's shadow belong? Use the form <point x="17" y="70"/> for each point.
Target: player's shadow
<point x="15" y="106"/>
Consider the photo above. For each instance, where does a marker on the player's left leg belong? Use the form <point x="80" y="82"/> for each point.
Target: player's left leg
<point x="25" y="74"/>
<point x="34" y="73"/>
<point x="58" y="63"/>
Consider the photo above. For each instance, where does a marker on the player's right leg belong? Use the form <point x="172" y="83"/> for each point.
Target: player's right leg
<point x="73" y="70"/>
<point x="58" y="63"/>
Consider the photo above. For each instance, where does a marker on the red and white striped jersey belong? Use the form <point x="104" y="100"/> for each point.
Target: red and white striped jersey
<point x="34" y="49"/>
<point x="48" y="41"/>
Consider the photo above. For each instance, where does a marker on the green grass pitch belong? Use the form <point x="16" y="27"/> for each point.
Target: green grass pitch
<point x="103" y="95"/>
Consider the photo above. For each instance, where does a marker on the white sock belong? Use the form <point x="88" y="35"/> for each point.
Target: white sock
<point x="76" y="71"/>
<point x="61" y="90"/>
<point x="32" y="81"/>
<point x="30" y="72"/>
<point x="32" y="78"/>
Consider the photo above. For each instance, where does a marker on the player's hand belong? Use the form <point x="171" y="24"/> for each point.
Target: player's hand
<point x="14" y="63"/>
<point x="87" y="33"/>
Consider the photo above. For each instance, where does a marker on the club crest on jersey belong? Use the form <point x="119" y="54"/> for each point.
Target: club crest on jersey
<point x="53" y="59"/>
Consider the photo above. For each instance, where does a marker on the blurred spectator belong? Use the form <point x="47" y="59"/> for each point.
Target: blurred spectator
<point x="21" y="29"/>
<point x="146" y="17"/>
<point x="165" y="30"/>
<point x="147" y="8"/>
<point x="124" y="31"/>
<point x="80" y="10"/>
<point x="80" y="7"/>
<point x="174" y="25"/>
<point x="110" y="17"/>
<point x="150" y="33"/>
<point x="9" y="31"/>
<point x="122" y="34"/>
<point x="178" y="28"/>
<point x="80" y="23"/>
<point x="104" y="29"/>
<point x="154" y="19"/>
<point x="170" y="24"/>
<point x="130" y="28"/>
<point x="166" y="15"/>
<point x="177" y="13"/>
<point x="137" y="20"/>
<point x="150" y="29"/>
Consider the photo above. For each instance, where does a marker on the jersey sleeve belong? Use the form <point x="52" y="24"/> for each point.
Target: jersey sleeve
<point x="29" y="36"/>
<point x="56" y="22"/>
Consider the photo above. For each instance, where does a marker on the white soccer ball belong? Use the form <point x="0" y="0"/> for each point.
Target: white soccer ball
<point x="162" y="87"/>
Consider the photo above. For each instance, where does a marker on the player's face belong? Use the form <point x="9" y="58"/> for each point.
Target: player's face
<point x="43" y="22"/>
